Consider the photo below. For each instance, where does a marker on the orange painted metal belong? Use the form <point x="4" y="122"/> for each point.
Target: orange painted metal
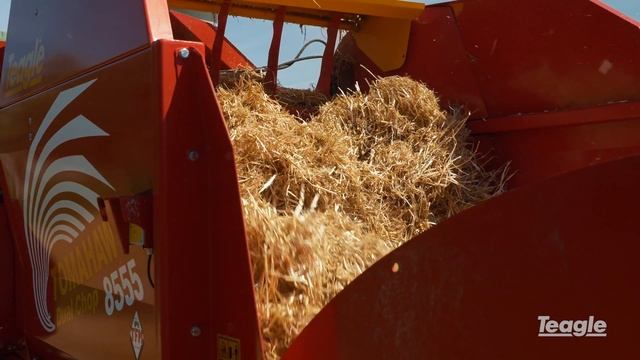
<point x="474" y="286"/>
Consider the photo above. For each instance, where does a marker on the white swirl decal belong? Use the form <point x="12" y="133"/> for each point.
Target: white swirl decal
<point x="50" y="215"/>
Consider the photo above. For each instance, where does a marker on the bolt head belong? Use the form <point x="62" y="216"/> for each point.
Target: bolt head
<point x="183" y="53"/>
<point x="196" y="331"/>
<point x="193" y="155"/>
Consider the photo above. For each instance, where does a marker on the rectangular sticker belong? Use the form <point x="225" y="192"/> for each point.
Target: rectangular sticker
<point x="228" y="348"/>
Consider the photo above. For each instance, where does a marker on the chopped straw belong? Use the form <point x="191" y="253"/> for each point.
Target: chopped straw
<point x="326" y="198"/>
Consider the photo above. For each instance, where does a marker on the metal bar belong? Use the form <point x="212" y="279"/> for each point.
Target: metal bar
<point x="379" y="8"/>
<point x="315" y="18"/>
<point x="216" y="51"/>
<point x="324" y="81"/>
<point x="574" y="117"/>
<point x="271" y="82"/>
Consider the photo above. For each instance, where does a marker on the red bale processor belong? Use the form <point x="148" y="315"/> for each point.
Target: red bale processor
<point x="121" y="226"/>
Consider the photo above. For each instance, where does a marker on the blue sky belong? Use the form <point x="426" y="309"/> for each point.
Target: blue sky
<point x="253" y="37"/>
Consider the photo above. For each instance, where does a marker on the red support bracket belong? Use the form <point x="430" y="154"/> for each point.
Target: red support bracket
<point x="271" y="82"/>
<point x="216" y="51"/>
<point x="324" y="81"/>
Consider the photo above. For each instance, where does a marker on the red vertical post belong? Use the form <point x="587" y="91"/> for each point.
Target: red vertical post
<point x="271" y="82"/>
<point x="216" y="51"/>
<point x="324" y="81"/>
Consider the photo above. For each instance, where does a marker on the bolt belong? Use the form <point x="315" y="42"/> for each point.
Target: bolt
<point x="196" y="331"/>
<point x="193" y="155"/>
<point x="183" y="53"/>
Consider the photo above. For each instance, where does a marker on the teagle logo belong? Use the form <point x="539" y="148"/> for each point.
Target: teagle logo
<point x="571" y="328"/>
<point x="26" y="71"/>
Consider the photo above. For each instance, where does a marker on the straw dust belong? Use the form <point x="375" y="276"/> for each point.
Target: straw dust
<point x="325" y="198"/>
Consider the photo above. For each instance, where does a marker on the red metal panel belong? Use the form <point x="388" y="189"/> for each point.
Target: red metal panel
<point x="203" y="272"/>
<point x="540" y="153"/>
<point x="205" y="285"/>
<point x="474" y="286"/>
<point x="49" y="42"/>
<point x="7" y="289"/>
<point x="101" y="123"/>
<point x="538" y="146"/>
<point x="534" y="56"/>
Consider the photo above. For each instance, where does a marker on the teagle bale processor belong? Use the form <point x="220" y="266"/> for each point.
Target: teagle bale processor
<point x="122" y="233"/>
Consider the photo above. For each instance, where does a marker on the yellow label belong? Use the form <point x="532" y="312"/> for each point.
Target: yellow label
<point x="136" y="235"/>
<point x="228" y="348"/>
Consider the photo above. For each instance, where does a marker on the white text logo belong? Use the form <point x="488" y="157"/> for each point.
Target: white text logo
<point x="571" y="328"/>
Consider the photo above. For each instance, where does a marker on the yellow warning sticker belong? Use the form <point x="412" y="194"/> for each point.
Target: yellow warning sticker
<point x="136" y="235"/>
<point x="228" y="348"/>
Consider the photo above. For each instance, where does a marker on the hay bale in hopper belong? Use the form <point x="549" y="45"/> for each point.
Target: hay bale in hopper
<point x="326" y="197"/>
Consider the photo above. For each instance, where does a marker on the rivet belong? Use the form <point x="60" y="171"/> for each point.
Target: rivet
<point x="196" y="331"/>
<point x="193" y="155"/>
